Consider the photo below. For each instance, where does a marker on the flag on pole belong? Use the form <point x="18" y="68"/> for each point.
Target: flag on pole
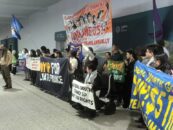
<point x="157" y="23"/>
<point x="16" y="26"/>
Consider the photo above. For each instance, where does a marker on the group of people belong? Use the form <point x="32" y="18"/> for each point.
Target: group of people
<point x="90" y="70"/>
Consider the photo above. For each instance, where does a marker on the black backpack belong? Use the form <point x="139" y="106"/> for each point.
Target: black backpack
<point x="110" y="108"/>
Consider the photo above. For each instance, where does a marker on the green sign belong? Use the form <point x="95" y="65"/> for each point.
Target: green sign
<point x="117" y="69"/>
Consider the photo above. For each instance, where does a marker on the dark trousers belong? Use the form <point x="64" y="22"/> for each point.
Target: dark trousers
<point x="27" y="74"/>
<point x="13" y="69"/>
<point x="33" y="76"/>
<point x="116" y="92"/>
<point x="127" y="94"/>
<point x="6" y="75"/>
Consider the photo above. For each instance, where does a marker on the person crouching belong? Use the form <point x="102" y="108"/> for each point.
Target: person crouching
<point x="94" y="78"/>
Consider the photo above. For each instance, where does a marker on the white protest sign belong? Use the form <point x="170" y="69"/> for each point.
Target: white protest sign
<point x="83" y="94"/>
<point x="33" y="63"/>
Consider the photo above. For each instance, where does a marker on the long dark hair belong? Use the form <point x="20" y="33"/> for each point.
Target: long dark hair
<point x="164" y="66"/>
<point x="38" y="53"/>
<point x="33" y="53"/>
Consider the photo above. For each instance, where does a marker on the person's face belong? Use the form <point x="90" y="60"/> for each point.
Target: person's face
<point x="70" y="25"/>
<point x="88" y="70"/>
<point x="23" y="51"/>
<point x="57" y="55"/>
<point x="90" y="18"/>
<point x="128" y="55"/>
<point x="101" y="14"/>
<point x="148" y="54"/>
<point x="68" y="54"/>
<point x="82" y="21"/>
<point x="114" y="48"/>
<point x="157" y="63"/>
<point x="77" y="23"/>
<point x="94" y="18"/>
<point x="78" y="52"/>
<point x="30" y="52"/>
<point x="107" y="56"/>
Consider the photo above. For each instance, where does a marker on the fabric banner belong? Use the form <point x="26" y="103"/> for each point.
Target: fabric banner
<point x="91" y="26"/>
<point x="83" y="94"/>
<point x="33" y="63"/>
<point x="54" y="76"/>
<point x="152" y="93"/>
<point x="117" y="69"/>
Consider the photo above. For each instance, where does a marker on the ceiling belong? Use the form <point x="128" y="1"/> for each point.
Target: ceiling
<point x="21" y="9"/>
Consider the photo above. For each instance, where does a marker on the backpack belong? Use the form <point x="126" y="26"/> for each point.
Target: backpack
<point x="110" y="108"/>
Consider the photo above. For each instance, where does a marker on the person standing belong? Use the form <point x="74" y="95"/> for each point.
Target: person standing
<point x="14" y="62"/>
<point x="116" y="92"/>
<point x="130" y="61"/>
<point x="5" y="61"/>
<point x="33" y="73"/>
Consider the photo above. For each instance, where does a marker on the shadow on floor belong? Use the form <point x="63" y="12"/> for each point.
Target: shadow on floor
<point x="13" y="90"/>
<point x="109" y="120"/>
<point x="121" y="117"/>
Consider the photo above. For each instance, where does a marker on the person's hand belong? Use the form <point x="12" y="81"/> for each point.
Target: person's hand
<point x="126" y="62"/>
<point x="159" y="70"/>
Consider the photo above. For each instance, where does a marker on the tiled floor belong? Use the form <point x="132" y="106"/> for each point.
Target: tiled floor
<point x="25" y="107"/>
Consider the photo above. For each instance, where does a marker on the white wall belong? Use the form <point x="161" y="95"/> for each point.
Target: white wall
<point x="40" y="27"/>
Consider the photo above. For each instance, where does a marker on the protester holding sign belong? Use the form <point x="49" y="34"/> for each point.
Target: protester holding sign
<point x="152" y="93"/>
<point x="162" y="64"/>
<point x="33" y="73"/>
<point x="149" y="60"/>
<point x="73" y="65"/>
<point x="25" y="56"/>
<point x="94" y="78"/>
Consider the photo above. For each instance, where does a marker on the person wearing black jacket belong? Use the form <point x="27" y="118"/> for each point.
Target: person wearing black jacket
<point x="94" y="78"/>
<point x="32" y="72"/>
<point x="129" y="62"/>
<point x="162" y="64"/>
<point x="116" y="92"/>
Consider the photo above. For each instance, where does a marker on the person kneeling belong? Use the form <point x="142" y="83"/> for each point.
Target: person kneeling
<point x="94" y="78"/>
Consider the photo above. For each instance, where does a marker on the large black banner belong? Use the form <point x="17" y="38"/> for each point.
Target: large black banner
<point x="54" y="76"/>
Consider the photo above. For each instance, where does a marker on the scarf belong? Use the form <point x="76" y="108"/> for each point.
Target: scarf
<point x="91" y="77"/>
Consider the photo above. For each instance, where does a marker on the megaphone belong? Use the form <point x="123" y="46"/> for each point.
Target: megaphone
<point x="88" y="52"/>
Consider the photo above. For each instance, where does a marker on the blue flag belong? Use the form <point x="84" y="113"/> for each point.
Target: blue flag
<point x="16" y="26"/>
